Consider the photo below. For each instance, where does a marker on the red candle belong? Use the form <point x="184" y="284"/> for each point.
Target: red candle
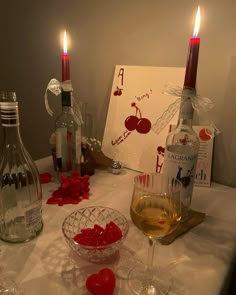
<point x="193" y="51"/>
<point x="65" y="59"/>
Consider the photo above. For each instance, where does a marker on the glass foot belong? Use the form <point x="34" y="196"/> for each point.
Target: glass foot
<point x="8" y="286"/>
<point x="142" y="282"/>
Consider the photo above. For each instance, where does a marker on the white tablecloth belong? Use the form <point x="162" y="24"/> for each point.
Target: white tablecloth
<point x="200" y="259"/>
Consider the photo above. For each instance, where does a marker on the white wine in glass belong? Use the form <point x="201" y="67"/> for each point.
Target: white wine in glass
<point x="154" y="210"/>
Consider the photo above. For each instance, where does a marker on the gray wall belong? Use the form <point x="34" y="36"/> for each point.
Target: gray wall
<point x="109" y="32"/>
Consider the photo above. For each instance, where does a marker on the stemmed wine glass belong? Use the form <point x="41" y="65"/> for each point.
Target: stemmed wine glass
<point x="154" y="210"/>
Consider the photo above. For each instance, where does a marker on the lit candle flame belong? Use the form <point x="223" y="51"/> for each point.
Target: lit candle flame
<point x="65" y="42"/>
<point x="197" y="23"/>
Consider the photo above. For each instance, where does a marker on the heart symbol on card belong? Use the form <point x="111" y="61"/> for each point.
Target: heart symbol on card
<point x="101" y="283"/>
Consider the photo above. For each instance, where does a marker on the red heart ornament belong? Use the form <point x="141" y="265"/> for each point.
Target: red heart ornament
<point x="101" y="283"/>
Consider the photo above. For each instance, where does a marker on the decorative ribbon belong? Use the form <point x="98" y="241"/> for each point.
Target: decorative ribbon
<point x="56" y="88"/>
<point x="200" y="104"/>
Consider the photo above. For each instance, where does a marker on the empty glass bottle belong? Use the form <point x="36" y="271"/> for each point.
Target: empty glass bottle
<point x="68" y="138"/>
<point x="20" y="188"/>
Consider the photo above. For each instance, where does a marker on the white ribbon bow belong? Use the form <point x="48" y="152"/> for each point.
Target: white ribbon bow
<point x="56" y="88"/>
<point x="199" y="103"/>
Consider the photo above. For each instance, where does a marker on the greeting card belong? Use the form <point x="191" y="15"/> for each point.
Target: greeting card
<point x="140" y="114"/>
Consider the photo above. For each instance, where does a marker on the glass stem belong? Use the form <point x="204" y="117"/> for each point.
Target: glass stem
<point x="151" y="251"/>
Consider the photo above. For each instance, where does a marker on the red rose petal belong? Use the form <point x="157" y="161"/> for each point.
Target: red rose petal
<point x="45" y="177"/>
<point x="72" y="190"/>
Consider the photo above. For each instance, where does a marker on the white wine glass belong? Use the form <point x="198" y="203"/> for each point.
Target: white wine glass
<point x="154" y="210"/>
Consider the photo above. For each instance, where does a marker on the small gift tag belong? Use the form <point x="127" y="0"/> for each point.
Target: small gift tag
<point x="193" y="220"/>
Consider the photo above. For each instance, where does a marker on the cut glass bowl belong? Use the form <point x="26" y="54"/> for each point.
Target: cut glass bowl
<point x="87" y="218"/>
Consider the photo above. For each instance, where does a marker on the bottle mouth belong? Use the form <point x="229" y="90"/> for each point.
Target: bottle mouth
<point x="7" y="96"/>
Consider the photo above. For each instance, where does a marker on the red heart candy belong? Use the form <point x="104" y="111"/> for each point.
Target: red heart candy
<point x="101" y="283"/>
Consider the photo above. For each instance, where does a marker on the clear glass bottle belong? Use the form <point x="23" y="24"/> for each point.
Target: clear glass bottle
<point x="182" y="146"/>
<point x="20" y="188"/>
<point x="68" y="138"/>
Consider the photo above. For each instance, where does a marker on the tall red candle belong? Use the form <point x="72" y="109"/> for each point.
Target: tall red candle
<point x="65" y="61"/>
<point x="193" y="51"/>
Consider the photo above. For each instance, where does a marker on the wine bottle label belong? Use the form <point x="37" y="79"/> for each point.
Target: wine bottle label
<point x="33" y="217"/>
<point x="181" y="167"/>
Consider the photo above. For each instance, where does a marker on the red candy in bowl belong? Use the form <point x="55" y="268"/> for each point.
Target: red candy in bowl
<point x="95" y="233"/>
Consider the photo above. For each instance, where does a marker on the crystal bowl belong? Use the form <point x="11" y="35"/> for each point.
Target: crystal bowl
<point x="87" y="218"/>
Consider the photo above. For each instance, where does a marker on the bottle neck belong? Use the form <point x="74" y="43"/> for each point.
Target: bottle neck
<point x="66" y="98"/>
<point x="186" y="108"/>
<point x="66" y="109"/>
<point x="66" y="101"/>
<point x="185" y="122"/>
<point x="10" y="123"/>
<point x="11" y="135"/>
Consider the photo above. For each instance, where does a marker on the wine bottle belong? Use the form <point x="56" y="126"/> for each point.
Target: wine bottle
<point x="182" y="146"/>
<point x="20" y="188"/>
<point x="68" y="138"/>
